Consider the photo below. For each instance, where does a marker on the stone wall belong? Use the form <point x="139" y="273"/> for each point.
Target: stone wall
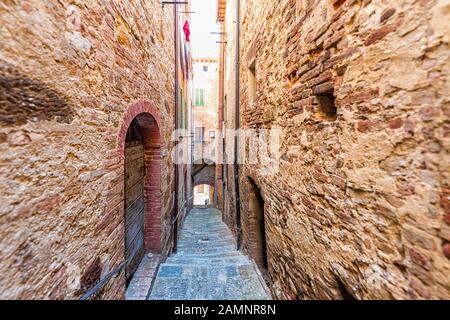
<point x="69" y="71"/>
<point x="229" y="27"/>
<point x="359" y="207"/>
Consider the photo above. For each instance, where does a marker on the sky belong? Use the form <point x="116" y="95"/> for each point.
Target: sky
<point x="203" y="22"/>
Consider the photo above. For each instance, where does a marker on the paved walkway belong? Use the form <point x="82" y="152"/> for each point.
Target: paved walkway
<point x="207" y="265"/>
<point x="139" y="286"/>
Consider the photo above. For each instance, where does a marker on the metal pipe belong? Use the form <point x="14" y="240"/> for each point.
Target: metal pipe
<point x="176" y="124"/>
<point x="237" y="125"/>
<point x="223" y="126"/>
<point x="191" y="142"/>
<point x="103" y="282"/>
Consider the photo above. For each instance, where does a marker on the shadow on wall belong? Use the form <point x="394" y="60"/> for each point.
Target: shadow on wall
<point x="23" y="99"/>
<point x="256" y="228"/>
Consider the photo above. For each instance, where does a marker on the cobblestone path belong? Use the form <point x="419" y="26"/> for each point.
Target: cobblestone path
<point x="207" y="265"/>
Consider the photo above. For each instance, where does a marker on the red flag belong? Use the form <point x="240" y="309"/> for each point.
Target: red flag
<point x="187" y="31"/>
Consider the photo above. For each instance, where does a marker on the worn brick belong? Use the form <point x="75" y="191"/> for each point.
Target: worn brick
<point x="326" y="87"/>
<point x="382" y="32"/>
<point x="354" y="165"/>
<point x="73" y="74"/>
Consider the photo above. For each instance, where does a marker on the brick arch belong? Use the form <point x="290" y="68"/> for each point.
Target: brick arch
<point x="253" y="178"/>
<point x="132" y="112"/>
<point x="209" y="162"/>
<point x="206" y="176"/>
<point x="148" y="118"/>
<point x="206" y="182"/>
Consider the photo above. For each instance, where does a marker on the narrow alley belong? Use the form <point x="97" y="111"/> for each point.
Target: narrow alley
<point x="224" y="150"/>
<point x="207" y="265"/>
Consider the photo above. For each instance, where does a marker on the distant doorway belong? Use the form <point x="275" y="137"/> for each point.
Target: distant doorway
<point x="203" y="195"/>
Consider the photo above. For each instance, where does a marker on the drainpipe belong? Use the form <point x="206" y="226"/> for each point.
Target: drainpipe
<point x="223" y="126"/>
<point x="176" y="124"/>
<point x="237" y="125"/>
<point x="192" y="137"/>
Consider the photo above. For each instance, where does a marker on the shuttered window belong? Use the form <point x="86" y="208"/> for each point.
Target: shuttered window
<point x="199" y="97"/>
<point x="200" y="134"/>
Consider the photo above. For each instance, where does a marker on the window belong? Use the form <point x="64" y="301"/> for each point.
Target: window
<point x="205" y="68"/>
<point x="200" y="134"/>
<point x="252" y="84"/>
<point x="199" y="97"/>
<point x="212" y="134"/>
<point x="327" y="106"/>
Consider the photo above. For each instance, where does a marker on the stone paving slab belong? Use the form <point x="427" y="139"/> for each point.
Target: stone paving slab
<point x="207" y="265"/>
<point x="139" y="287"/>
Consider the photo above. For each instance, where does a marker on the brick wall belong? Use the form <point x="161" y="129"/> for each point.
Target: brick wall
<point x="229" y="91"/>
<point x="73" y="76"/>
<point x="359" y="205"/>
<point x="206" y="176"/>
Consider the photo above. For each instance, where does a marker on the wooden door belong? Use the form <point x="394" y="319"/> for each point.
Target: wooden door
<point x="134" y="199"/>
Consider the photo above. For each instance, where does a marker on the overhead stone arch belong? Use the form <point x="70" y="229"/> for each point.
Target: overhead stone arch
<point x="205" y="175"/>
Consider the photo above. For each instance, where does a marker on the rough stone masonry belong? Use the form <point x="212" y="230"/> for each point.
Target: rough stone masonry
<point x="72" y="74"/>
<point x="360" y="205"/>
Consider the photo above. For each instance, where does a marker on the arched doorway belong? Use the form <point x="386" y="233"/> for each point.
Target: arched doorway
<point x="204" y="195"/>
<point x="134" y="198"/>
<point x="142" y="190"/>
<point x="205" y="175"/>
<point x="256" y="229"/>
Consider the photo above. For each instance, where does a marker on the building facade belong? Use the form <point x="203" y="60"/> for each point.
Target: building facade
<point x="227" y="107"/>
<point x="205" y="99"/>
<point x="358" y="207"/>
<point x="205" y="123"/>
<point x="87" y="113"/>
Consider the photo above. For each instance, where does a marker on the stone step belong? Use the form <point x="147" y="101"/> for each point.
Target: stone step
<point x="211" y="272"/>
<point x="216" y="236"/>
<point x="206" y="250"/>
<point x="201" y="252"/>
<point x="196" y="243"/>
<point x="139" y="286"/>
<point x="223" y="255"/>
<point x="208" y="261"/>
<point x="199" y="266"/>
<point x="212" y="255"/>
<point x="223" y="246"/>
